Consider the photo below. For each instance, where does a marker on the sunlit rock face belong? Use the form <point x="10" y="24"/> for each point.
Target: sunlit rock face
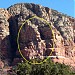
<point x="5" y="48"/>
<point x="37" y="39"/>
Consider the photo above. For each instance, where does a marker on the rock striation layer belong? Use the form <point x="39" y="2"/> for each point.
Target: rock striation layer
<point x="37" y="39"/>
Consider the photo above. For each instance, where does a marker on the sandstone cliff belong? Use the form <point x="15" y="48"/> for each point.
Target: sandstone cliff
<point x="36" y="38"/>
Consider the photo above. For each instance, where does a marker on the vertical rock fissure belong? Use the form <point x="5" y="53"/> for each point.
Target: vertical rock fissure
<point x="13" y="27"/>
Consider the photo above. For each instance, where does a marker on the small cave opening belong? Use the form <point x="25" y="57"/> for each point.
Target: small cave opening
<point x="41" y="34"/>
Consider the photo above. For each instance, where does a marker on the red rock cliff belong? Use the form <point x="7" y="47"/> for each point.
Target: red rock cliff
<point x="36" y="38"/>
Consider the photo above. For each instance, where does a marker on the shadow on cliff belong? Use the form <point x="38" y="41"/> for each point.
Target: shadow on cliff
<point x="13" y="28"/>
<point x="6" y="53"/>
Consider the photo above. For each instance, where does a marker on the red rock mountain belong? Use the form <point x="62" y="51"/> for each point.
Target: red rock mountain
<point x="50" y="33"/>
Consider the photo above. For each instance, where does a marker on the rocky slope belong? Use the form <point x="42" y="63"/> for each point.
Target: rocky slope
<point x="37" y="39"/>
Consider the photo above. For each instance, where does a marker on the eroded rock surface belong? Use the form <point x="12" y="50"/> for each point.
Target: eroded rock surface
<point x="36" y="37"/>
<point x="5" y="48"/>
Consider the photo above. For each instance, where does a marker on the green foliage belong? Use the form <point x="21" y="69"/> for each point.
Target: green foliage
<point x="23" y="69"/>
<point x="47" y="68"/>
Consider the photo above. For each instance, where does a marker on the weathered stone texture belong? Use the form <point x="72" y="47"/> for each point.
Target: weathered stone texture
<point x="5" y="48"/>
<point x="36" y="37"/>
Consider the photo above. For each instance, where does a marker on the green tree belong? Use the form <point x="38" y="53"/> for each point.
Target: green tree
<point x="47" y="68"/>
<point x="23" y="69"/>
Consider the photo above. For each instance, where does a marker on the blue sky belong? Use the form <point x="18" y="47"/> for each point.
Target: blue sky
<point x="64" y="6"/>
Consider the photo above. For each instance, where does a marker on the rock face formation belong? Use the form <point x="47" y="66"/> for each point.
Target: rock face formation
<point x="5" y="48"/>
<point x="51" y="34"/>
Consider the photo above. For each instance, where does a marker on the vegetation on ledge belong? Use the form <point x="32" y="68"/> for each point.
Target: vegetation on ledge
<point x="47" y="68"/>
